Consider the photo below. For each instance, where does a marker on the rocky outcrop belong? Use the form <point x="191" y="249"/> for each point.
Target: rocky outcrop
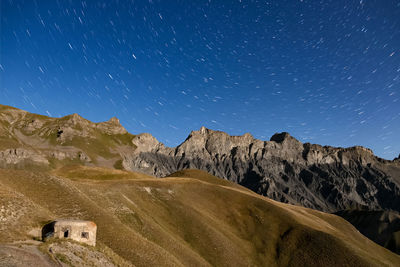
<point x="320" y="177"/>
<point x="18" y="156"/>
<point x="40" y="139"/>
<point x="111" y="127"/>
<point x="71" y="155"/>
<point x="283" y="168"/>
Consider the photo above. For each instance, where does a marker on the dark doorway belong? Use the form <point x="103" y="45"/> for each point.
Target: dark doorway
<point x="66" y="233"/>
<point x="48" y="230"/>
<point x="85" y="235"/>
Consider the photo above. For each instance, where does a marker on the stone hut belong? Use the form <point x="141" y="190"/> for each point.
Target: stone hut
<point x="78" y="230"/>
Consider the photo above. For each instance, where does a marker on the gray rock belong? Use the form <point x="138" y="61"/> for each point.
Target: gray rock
<point x="20" y="155"/>
<point x="382" y="227"/>
<point x="319" y="177"/>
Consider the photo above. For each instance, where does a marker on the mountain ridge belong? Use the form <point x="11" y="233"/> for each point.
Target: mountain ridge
<point x="320" y="177"/>
<point x="266" y="166"/>
<point x="82" y="154"/>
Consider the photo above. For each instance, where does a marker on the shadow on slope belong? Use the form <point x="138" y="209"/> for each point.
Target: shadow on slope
<point x="194" y="221"/>
<point x="382" y="227"/>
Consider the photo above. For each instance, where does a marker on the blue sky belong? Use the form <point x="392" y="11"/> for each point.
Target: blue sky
<point x="327" y="72"/>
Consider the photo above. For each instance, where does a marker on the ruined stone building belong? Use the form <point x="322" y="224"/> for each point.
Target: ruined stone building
<point x="78" y="230"/>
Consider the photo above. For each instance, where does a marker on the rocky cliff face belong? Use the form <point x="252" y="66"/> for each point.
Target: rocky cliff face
<point x="320" y="177"/>
<point x="383" y="227"/>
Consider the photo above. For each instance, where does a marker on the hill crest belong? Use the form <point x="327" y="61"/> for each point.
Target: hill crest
<point x="320" y="177"/>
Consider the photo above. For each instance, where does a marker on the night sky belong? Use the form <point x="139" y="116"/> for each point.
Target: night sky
<point x="327" y="72"/>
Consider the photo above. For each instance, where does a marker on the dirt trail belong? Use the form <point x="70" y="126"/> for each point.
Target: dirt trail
<point x="24" y="255"/>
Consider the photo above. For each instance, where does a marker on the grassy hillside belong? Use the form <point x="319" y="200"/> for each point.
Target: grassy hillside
<point x="189" y="219"/>
<point x="205" y="177"/>
<point x="66" y="140"/>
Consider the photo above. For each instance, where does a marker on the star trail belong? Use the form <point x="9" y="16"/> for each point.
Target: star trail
<point x="328" y="72"/>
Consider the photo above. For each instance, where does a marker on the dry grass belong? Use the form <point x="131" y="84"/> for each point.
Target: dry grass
<point x="79" y="172"/>
<point x="17" y="131"/>
<point x="192" y="221"/>
<point x="205" y="177"/>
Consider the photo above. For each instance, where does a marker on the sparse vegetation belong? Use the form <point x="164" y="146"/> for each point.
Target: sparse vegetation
<point x="118" y="165"/>
<point x="70" y="133"/>
<point x="190" y="218"/>
<point x="62" y="258"/>
<point x="191" y="221"/>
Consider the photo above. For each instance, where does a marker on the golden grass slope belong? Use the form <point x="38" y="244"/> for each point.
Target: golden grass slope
<point x="198" y="220"/>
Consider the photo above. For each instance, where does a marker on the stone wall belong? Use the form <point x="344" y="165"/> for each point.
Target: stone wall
<point x="80" y="231"/>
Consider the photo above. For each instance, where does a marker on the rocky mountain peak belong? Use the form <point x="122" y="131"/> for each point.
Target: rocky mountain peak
<point x="198" y="139"/>
<point x="290" y="145"/>
<point x="320" y="177"/>
<point x="216" y="141"/>
<point x="76" y="116"/>
<point x="207" y="133"/>
<point x="114" y="120"/>
<point x="204" y="132"/>
<point x="145" y="142"/>
<point x="75" y="119"/>
<point x="282" y="137"/>
<point x="112" y="126"/>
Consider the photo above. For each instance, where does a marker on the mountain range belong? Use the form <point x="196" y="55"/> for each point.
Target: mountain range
<point x="284" y="169"/>
<point x="271" y="205"/>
